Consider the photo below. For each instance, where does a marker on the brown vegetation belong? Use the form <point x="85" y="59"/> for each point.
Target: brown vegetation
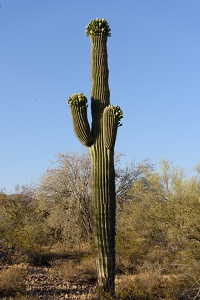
<point x="46" y="248"/>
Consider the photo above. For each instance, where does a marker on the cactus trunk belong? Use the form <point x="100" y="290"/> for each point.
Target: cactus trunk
<point x="103" y="215"/>
<point x="101" y="141"/>
<point x="103" y="174"/>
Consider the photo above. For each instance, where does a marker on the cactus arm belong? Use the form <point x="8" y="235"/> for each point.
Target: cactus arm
<point x="78" y="110"/>
<point x="111" y="121"/>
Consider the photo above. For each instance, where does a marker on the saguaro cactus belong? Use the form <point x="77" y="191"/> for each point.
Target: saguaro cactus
<point x="100" y="140"/>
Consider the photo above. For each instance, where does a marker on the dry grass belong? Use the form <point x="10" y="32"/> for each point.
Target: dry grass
<point x="150" y="280"/>
<point x="12" y="281"/>
<point x="67" y="250"/>
<point x="73" y="264"/>
<point x="77" y="270"/>
<point x="150" y="286"/>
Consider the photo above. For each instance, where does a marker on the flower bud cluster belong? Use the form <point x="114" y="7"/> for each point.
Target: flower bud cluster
<point x="77" y="100"/>
<point x="97" y="28"/>
<point x="118" y="114"/>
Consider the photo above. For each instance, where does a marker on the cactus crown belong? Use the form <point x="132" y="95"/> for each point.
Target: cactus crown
<point x="118" y="114"/>
<point x="77" y="100"/>
<point x="98" y="28"/>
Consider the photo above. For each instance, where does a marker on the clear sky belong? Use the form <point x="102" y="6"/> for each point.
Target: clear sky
<point x="154" y="63"/>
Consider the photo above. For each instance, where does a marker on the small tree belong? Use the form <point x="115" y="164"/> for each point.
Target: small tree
<point x="64" y="192"/>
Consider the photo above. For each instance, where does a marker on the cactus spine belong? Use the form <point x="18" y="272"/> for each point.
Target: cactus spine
<point x="101" y="141"/>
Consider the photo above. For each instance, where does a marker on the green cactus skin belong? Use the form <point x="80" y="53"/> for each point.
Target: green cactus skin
<point x="111" y="120"/>
<point x="78" y="110"/>
<point x="103" y="173"/>
<point x="105" y="120"/>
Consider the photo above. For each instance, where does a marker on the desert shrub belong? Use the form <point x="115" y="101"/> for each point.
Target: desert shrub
<point x="158" y="233"/>
<point x="157" y="226"/>
<point x="64" y="193"/>
<point x="23" y="230"/>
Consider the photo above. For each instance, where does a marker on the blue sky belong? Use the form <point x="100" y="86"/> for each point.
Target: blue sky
<point x="154" y="63"/>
